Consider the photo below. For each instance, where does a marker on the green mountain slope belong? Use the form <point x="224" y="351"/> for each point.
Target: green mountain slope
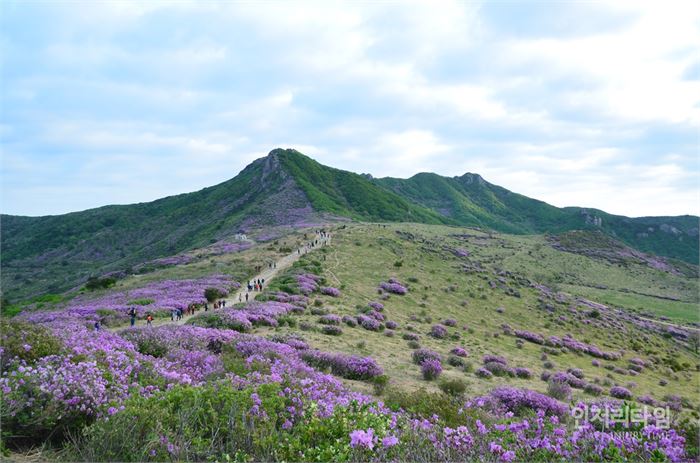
<point x="470" y="200"/>
<point x="352" y="195"/>
<point x="56" y="253"/>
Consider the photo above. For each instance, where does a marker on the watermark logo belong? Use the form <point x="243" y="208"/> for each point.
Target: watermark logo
<point x="616" y="417"/>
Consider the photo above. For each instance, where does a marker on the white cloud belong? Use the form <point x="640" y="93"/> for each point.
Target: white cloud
<point x="596" y="118"/>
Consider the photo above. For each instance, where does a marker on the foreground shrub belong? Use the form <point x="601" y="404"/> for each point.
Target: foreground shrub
<point x="452" y="387"/>
<point x="560" y="390"/>
<point x="380" y="383"/>
<point x="186" y="423"/>
<point x="431" y="369"/>
<point x="26" y="341"/>
<point x="347" y="366"/>
<point x="421" y="355"/>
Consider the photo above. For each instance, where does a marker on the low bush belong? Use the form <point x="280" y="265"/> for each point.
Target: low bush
<point x="452" y="387"/>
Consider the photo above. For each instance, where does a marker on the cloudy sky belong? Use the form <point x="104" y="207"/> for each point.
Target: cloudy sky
<point x="575" y="103"/>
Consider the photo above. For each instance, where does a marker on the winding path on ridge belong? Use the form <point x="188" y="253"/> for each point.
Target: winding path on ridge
<point x="267" y="274"/>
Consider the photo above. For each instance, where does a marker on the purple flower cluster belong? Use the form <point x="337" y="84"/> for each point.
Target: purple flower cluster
<point x="369" y="323"/>
<point x="530" y="336"/>
<point x="459" y="352"/>
<point x="245" y="318"/>
<point x="392" y="325"/>
<point x="307" y="283"/>
<point x="330" y="319"/>
<point x="620" y="392"/>
<point x="494" y="358"/>
<point x="438" y="332"/>
<point x="162" y="296"/>
<point x="509" y="399"/>
<point x="449" y="322"/>
<point x="430" y="368"/>
<point x="346" y="366"/>
<point x="393" y="286"/>
<point x="421" y="355"/>
<point x="378" y="306"/>
<point x="294" y="299"/>
<point x="330" y="291"/>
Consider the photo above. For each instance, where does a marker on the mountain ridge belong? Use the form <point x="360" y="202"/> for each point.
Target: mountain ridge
<point x="287" y="188"/>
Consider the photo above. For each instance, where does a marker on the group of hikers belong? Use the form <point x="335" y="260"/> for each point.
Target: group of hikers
<point x="256" y="286"/>
<point x="176" y="314"/>
<point x="324" y="237"/>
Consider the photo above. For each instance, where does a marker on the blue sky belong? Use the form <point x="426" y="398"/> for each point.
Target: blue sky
<point x="574" y="103"/>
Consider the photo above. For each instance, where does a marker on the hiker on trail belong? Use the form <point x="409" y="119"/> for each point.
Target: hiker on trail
<point x="179" y="314"/>
<point x="173" y="314"/>
<point x="97" y="325"/>
<point x="224" y="302"/>
<point x="149" y="319"/>
<point x="240" y="297"/>
<point x="206" y="307"/>
<point x="246" y="297"/>
<point x="132" y="314"/>
<point x="262" y="281"/>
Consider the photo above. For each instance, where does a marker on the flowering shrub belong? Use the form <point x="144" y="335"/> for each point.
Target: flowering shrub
<point x="620" y="392"/>
<point x="378" y="306"/>
<point x="571" y="380"/>
<point x="438" y="332"/>
<point x="529" y="336"/>
<point x="332" y="330"/>
<point x="494" y="359"/>
<point x="330" y="319"/>
<point x="499" y="369"/>
<point x="393" y="287"/>
<point x="369" y="323"/>
<point x="330" y="291"/>
<point x="449" y="322"/>
<point x="411" y="337"/>
<point x="349" y="320"/>
<point x="431" y="369"/>
<point x="347" y="366"/>
<point x="509" y="399"/>
<point x="162" y="297"/>
<point x="26" y="341"/>
<point x="593" y="389"/>
<point x="307" y="283"/>
<point x="421" y="355"/>
<point x="170" y="393"/>
<point x="459" y="352"/>
<point x="522" y="372"/>
<point x="483" y="373"/>
<point x="392" y="325"/>
<point x="559" y="389"/>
